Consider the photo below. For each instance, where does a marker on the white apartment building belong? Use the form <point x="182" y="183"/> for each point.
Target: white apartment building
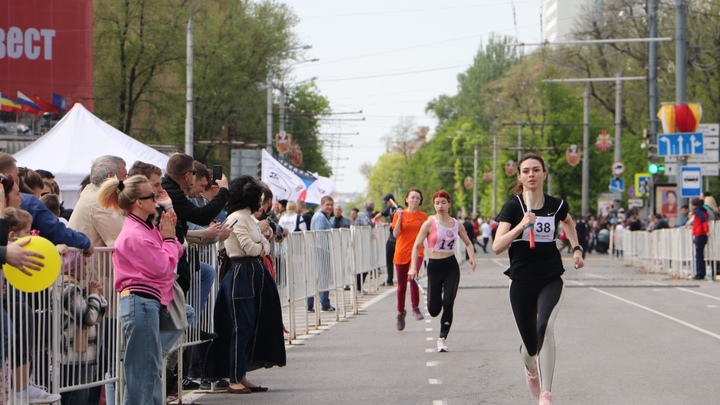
<point x="561" y="16"/>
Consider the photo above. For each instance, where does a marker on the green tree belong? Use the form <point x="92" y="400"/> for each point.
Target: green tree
<point x="237" y="44"/>
<point x="386" y="176"/>
<point x="135" y="46"/>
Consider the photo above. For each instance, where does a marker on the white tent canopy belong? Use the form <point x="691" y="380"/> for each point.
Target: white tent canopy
<point x="70" y="147"/>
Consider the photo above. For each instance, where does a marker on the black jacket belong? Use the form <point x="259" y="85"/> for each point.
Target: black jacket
<point x="186" y="212"/>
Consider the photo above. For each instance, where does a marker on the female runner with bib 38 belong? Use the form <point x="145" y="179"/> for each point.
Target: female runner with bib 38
<point x="536" y="286"/>
<point x="441" y="232"/>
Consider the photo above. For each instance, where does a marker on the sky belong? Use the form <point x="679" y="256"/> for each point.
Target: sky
<point x="382" y="60"/>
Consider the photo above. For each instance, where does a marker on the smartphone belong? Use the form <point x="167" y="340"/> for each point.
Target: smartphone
<point x="217" y="173"/>
<point x="231" y="223"/>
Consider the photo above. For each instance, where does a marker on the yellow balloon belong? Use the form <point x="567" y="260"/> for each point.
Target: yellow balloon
<point x="40" y="279"/>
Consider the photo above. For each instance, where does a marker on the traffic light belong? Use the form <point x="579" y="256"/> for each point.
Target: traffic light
<point x="654" y="168"/>
<point x="258" y="170"/>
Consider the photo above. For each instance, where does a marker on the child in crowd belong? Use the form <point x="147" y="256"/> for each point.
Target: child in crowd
<point x="52" y="202"/>
<point x="83" y="309"/>
<point x="19" y="223"/>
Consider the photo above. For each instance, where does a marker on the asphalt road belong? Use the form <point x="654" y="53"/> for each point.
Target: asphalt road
<point x="623" y="337"/>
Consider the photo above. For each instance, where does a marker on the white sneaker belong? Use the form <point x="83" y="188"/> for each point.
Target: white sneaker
<point x="36" y="395"/>
<point x="441" y="345"/>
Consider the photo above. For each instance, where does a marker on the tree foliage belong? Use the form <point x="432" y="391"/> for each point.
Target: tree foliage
<point x="140" y="81"/>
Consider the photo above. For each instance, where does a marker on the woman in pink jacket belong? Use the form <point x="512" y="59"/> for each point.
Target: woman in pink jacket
<point x="144" y="262"/>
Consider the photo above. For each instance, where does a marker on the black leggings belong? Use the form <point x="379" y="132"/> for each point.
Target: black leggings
<point x="535" y="306"/>
<point x="443" y="281"/>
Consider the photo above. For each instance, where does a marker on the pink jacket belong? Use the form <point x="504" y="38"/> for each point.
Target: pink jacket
<point x="143" y="261"/>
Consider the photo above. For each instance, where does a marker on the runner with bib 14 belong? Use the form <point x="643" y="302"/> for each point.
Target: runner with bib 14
<point x="441" y="232"/>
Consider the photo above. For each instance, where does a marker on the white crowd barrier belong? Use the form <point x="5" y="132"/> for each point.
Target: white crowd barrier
<point x="49" y="341"/>
<point x="668" y="251"/>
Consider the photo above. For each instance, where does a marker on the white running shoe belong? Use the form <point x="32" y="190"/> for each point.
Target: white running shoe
<point x="441" y="345"/>
<point x="36" y="395"/>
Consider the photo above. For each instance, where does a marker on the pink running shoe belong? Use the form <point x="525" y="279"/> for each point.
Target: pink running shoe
<point x="533" y="382"/>
<point x="545" y="398"/>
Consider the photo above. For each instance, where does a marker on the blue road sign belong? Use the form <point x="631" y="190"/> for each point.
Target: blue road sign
<point x="690" y="143"/>
<point x="617" y="185"/>
<point x="690" y="181"/>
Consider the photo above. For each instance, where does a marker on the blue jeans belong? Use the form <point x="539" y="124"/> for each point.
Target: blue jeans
<point x="144" y="348"/>
<point x="207" y="277"/>
<point x="700" y="242"/>
<point x="324" y="300"/>
<point x="140" y="319"/>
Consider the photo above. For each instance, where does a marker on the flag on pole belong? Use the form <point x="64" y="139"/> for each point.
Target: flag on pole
<point x="26" y="104"/>
<point x="61" y="102"/>
<point x="45" y="106"/>
<point x="7" y="104"/>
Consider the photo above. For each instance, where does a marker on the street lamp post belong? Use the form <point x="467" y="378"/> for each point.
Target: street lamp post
<point x="475" y="180"/>
<point x="189" y="122"/>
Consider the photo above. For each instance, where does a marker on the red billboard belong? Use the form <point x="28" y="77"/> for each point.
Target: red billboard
<point x="46" y="48"/>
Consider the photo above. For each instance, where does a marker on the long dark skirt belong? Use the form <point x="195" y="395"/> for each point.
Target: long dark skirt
<point x="248" y="321"/>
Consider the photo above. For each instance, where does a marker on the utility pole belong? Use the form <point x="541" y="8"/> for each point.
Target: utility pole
<point x="495" y="158"/>
<point x="520" y="138"/>
<point x="269" y="140"/>
<point x="618" y="114"/>
<point x="475" y="181"/>
<point x="281" y="102"/>
<point x="189" y="120"/>
<point x="680" y="75"/>
<point x="653" y="103"/>
<point x="586" y="151"/>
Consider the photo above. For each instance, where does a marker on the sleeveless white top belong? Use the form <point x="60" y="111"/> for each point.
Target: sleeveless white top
<point x="440" y="238"/>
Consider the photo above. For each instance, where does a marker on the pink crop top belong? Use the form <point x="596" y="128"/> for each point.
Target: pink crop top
<point x="440" y="238"/>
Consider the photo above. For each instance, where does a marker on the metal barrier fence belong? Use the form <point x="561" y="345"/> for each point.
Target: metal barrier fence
<point x="64" y="341"/>
<point x="669" y="251"/>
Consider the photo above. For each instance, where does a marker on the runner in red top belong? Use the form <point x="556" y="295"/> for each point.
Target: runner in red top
<point x="406" y="225"/>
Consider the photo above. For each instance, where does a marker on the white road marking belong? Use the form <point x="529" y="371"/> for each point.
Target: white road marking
<point x="439" y="402"/>
<point x="428" y="320"/>
<point x="698" y="293"/>
<point x="429" y="338"/>
<point x="689" y="325"/>
<point x="428" y="329"/>
<point x="431" y="363"/>
<point x="377" y="299"/>
<point x="430" y="350"/>
<point x="435" y="381"/>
